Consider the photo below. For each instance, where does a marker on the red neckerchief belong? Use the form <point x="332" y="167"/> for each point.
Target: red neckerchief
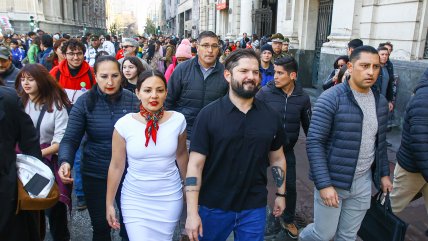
<point x="152" y="125"/>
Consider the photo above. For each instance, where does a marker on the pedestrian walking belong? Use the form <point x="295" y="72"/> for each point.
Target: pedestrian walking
<point x="287" y="98"/>
<point x="182" y="54"/>
<point x="95" y="114"/>
<point x="46" y="47"/>
<point x="131" y="69"/>
<point x="40" y="93"/>
<point x="349" y="124"/>
<point x="33" y="51"/>
<point x="226" y="176"/>
<point x="18" y="54"/>
<point x="16" y="129"/>
<point x="8" y="71"/>
<point x="411" y="171"/>
<point x="197" y="82"/>
<point x="152" y="197"/>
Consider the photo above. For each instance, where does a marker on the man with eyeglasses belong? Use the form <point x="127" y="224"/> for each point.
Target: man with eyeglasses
<point x="130" y="48"/>
<point x="76" y="77"/>
<point x="197" y="82"/>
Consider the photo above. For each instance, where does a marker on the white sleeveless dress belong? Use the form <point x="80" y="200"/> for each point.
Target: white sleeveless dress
<point x="152" y="197"/>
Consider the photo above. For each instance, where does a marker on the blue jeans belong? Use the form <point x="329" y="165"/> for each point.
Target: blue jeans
<point x="290" y="207"/>
<point x="78" y="189"/>
<point x="217" y="224"/>
<point x="343" y="222"/>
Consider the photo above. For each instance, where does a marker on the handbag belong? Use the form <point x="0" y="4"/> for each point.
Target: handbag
<point x="32" y="175"/>
<point x="380" y="223"/>
<point x="28" y="167"/>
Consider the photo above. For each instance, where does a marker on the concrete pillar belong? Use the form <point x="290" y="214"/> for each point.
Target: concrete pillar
<point x="246" y="17"/>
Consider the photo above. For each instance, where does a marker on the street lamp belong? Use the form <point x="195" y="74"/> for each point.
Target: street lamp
<point x="32" y="24"/>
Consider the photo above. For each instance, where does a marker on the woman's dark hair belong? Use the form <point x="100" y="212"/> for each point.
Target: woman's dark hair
<point x="105" y="58"/>
<point x="36" y="41"/>
<point x="50" y="92"/>
<point x="73" y="44"/>
<point x="135" y="61"/>
<point x="342" y="72"/>
<point x="14" y="41"/>
<point x="55" y="47"/>
<point x="92" y="94"/>
<point x="342" y="57"/>
<point x="149" y="73"/>
<point x="101" y="53"/>
<point x="47" y="40"/>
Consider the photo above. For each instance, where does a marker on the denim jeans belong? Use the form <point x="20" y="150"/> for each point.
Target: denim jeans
<point x="217" y="224"/>
<point x="95" y="194"/>
<point x="290" y="207"/>
<point x="78" y="189"/>
<point x="343" y="222"/>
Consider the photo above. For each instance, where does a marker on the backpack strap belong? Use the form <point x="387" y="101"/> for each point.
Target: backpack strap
<point x="91" y="77"/>
<point x="58" y="75"/>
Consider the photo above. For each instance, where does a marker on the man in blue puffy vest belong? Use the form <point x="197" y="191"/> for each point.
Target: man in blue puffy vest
<point x="346" y="144"/>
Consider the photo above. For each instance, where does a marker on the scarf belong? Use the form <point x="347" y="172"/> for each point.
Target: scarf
<point x="152" y="125"/>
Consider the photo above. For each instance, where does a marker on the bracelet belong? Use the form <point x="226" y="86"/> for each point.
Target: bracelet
<point x="281" y="195"/>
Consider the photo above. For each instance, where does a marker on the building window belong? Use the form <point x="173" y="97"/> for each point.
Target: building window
<point x="426" y="47"/>
<point x="188" y="15"/>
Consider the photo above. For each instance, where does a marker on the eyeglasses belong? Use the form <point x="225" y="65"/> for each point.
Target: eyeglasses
<point x="207" y="46"/>
<point x="71" y="54"/>
<point x="126" y="46"/>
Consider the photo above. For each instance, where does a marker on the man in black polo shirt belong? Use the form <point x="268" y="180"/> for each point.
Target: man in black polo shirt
<point x="226" y="175"/>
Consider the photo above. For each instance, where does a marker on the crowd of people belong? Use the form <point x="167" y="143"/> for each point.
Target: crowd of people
<point x="179" y="133"/>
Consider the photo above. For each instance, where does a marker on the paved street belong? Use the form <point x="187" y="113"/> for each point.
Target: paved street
<point x="415" y="214"/>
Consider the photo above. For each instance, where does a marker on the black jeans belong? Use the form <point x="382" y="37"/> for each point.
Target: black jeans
<point x="290" y="208"/>
<point x="95" y="190"/>
<point x="58" y="222"/>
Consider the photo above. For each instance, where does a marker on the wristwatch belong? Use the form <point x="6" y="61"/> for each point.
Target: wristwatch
<point x="281" y="194"/>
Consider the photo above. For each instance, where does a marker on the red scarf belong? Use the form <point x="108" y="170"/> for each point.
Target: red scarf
<point x="152" y="125"/>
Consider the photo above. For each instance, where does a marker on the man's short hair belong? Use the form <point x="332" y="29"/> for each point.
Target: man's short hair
<point x="206" y="34"/>
<point x="232" y="60"/>
<point x="380" y="48"/>
<point x="73" y="44"/>
<point x="363" y="49"/>
<point x="47" y="40"/>
<point x="288" y="63"/>
<point x="108" y="37"/>
<point x="387" y="43"/>
<point x="355" y="43"/>
<point x="31" y="33"/>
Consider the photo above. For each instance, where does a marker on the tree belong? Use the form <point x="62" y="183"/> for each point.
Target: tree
<point x="150" y="27"/>
<point x="113" y="28"/>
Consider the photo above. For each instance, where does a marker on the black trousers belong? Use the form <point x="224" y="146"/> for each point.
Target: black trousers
<point x="290" y="207"/>
<point x="95" y="190"/>
<point x="58" y="222"/>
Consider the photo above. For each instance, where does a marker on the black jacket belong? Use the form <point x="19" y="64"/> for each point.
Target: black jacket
<point x="16" y="127"/>
<point x="413" y="152"/>
<point x="188" y="92"/>
<point x="96" y="114"/>
<point x="294" y="110"/>
<point x="9" y="76"/>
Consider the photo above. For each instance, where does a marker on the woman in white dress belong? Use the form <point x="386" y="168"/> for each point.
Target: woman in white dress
<point x="153" y="142"/>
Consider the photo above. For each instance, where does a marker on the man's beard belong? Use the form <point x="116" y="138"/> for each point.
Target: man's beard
<point x="239" y="89"/>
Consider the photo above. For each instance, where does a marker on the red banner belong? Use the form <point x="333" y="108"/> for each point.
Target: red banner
<point x="221" y="4"/>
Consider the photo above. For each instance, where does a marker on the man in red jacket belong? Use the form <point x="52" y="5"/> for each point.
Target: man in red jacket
<point x="74" y="74"/>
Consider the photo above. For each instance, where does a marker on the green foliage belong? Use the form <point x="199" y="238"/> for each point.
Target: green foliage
<point x="150" y="27"/>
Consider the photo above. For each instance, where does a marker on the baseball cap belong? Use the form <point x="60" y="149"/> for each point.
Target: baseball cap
<point x="4" y="53"/>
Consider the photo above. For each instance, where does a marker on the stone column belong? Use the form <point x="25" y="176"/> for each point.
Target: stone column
<point x="345" y="26"/>
<point x="246" y="18"/>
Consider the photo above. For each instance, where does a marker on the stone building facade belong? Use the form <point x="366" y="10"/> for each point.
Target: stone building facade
<point x="319" y="31"/>
<point x="67" y="16"/>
